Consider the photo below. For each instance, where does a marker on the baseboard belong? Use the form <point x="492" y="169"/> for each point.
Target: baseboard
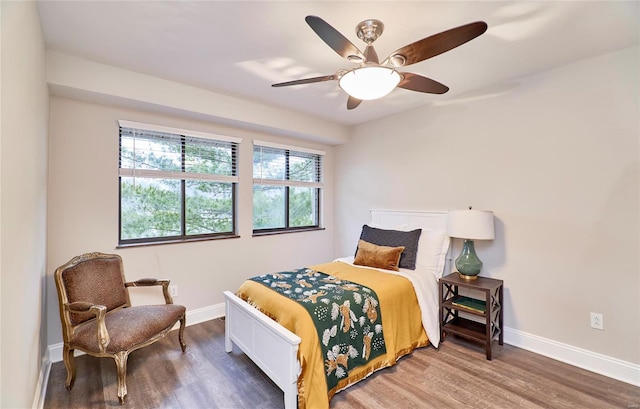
<point x="54" y="352"/>
<point x="581" y="358"/>
<point x="43" y="378"/>
<point x="205" y="314"/>
<point x="591" y="361"/>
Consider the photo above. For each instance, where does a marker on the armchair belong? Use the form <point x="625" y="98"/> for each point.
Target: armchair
<point x="97" y="316"/>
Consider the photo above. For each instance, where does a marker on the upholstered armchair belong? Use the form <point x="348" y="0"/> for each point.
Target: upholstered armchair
<point x="97" y="316"/>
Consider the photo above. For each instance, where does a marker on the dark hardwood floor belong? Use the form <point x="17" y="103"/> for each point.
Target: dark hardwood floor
<point x="456" y="375"/>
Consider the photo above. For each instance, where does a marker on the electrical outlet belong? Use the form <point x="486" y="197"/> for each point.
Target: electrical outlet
<point x="173" y="290"/>
<point x="597" y="321"/>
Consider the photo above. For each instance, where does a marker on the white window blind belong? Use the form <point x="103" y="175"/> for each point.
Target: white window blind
<point x="283" y="165"/>
<point x="149" y="151"/>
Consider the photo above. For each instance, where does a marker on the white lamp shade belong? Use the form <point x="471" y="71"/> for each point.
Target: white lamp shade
<point x="471" y="224"/>
<point x="368" y="83"/>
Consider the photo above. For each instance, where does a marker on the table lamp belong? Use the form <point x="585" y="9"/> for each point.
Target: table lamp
<point x="470" y="225"/>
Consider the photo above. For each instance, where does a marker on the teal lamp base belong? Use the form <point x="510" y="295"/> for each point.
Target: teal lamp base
<point x="468" y="263"/>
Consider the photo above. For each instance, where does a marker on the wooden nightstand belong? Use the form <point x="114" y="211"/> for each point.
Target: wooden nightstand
<point x="488" y="306"/>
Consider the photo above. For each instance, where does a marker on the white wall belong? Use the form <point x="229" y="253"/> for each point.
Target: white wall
<point x="83" y="211"/>
<point x="556" y="157"/>
<point x="23" y="183"/>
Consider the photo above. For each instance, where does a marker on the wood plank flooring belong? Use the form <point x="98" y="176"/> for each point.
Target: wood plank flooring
<point x="456" y="375"/>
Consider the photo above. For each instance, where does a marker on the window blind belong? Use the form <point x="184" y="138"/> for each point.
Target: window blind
<point x="149" y="151"/>
<point x="283" y="165"/>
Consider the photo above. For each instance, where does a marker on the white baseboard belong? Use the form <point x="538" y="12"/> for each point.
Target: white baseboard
<point x="205" y="314"/>
<point x="54" y="352"/>
<point x="591" y="361"/>
<point x="581" y="358"/>
<point x="43" y="378"/>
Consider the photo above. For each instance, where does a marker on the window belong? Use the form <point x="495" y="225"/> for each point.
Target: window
<point x="175" y="184"/>
<point x="287" y="185"/>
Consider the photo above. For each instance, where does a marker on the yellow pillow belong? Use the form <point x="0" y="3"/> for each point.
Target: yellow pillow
<point x="384" y="257"/>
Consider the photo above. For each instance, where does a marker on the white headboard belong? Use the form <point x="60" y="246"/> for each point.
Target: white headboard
<point x="417" y="219"/>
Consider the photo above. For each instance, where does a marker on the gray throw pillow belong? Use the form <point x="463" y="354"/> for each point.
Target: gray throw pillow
<point x="395" y="238"/>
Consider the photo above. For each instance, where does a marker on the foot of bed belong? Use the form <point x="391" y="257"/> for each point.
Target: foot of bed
<point x="273" y="348"/>
<point x="291" y="397"/>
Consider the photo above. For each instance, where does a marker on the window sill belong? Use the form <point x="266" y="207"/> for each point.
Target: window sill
<point x="273" y="232"/>
<point x="176" y="241"/>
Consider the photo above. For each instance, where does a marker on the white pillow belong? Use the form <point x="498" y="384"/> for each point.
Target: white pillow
<point x="432" y="250"/>
<point x="432" y="247"/>
<point x="399" y="227"/>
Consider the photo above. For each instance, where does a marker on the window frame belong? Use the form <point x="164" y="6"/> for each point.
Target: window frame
<point x="183" y="135"/>
<point x="288" y="183"/>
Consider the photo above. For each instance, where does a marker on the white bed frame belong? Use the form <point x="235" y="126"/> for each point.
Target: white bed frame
<point x="274" y="348"/>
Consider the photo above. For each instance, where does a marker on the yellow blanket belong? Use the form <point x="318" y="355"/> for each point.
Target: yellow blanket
<point x="401" y="321"/>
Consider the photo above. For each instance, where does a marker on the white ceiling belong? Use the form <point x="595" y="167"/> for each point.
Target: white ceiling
<point x="240" y="48"/>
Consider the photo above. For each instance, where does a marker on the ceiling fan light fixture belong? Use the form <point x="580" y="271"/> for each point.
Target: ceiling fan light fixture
<point x="367" y="83"/>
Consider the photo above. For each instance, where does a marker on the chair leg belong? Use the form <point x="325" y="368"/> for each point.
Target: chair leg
<point x="70" y="364"/>
<point x="121" y="365"/>
<point x="183" y="323"/>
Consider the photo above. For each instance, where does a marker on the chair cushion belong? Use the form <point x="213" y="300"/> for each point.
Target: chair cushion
<point x="128" y="327"/>
<point x="98" y="281"/>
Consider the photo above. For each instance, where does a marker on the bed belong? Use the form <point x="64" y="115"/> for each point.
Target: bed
<point x="278" y="334"/>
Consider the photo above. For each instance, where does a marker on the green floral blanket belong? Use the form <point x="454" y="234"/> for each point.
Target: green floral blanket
<point x="346" y="315"/>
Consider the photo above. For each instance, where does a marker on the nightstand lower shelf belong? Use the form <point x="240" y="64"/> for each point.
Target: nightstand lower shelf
<point x="467" y="328"/>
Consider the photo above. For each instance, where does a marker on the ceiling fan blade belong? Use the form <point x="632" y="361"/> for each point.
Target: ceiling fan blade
<point x="306" y="81"/>
<point x="353" y="103"/>
<point x="436" y="44"/>
<point x="415" y="82"/>
<point x="334" y="39"/>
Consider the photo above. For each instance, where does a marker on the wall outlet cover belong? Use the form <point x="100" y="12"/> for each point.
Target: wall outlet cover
<point x="597" y="321"/>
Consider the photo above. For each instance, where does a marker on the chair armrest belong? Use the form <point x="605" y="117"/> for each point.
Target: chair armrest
<point x="80" y="306"/>
<point x="99" y="311"/>
<point x="149" y="282"/>
<point x="146" y="282"/>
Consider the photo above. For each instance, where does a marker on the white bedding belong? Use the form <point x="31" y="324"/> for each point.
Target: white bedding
<point x="425" y="285"/>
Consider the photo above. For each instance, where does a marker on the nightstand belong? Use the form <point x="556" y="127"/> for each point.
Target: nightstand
<point x="485" y="302"/>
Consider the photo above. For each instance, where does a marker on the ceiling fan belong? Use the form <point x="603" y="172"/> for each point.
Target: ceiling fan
<point x="372" y="79"/>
